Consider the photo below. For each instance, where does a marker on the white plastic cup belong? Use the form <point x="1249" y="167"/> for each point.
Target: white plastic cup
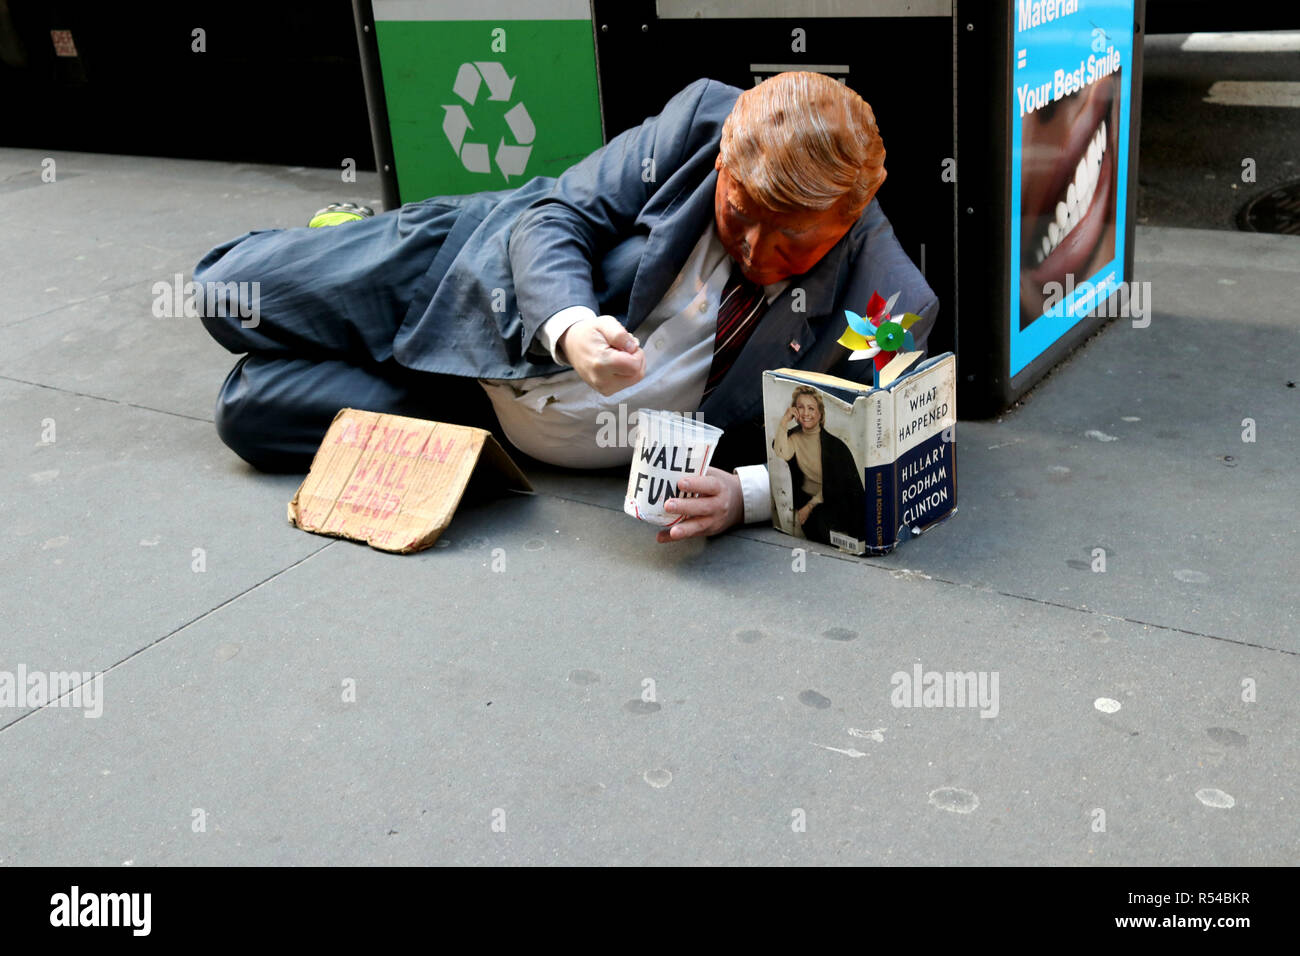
<point x="669" y="446"/>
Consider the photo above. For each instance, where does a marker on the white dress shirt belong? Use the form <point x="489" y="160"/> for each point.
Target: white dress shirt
<point x="562" y="420"/>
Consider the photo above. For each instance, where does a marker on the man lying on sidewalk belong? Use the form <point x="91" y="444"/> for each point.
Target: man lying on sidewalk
<point x="668" y="269"/>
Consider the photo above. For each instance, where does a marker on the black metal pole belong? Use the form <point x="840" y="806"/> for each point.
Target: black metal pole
<point x="371" y="74"/>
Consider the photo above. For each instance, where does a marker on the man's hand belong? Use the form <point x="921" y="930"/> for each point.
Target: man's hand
<point x="719" y="506"/>
<point x="604" y="354"/>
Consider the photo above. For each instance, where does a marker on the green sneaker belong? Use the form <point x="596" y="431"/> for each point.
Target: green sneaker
<point x="337" y="213"/>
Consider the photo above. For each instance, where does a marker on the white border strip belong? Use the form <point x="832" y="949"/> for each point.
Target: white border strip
<point x="1277" y="41"/>
<point x="754" y="9"/>
<point x="481" y="10"/>
<point x="1254" y="93"/>
<point x="794" y="67"/>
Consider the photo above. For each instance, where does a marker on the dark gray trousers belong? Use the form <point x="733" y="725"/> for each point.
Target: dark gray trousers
<point x="328" y="303"/>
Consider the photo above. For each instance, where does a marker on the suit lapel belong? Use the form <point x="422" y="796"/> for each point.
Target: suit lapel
<point x="668" y="246"/>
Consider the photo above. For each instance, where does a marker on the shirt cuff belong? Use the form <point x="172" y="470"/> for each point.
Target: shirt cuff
<point x="548" y="336"/>
<point x="756" y="490"/>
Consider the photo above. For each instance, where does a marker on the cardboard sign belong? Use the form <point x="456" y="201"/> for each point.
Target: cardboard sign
<point x="395" y="482"/>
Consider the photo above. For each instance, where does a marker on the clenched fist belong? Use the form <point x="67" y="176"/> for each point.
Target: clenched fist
<point x="604" y="354"/>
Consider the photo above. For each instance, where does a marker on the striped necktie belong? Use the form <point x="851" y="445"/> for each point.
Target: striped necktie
<point x="742" y="305"/>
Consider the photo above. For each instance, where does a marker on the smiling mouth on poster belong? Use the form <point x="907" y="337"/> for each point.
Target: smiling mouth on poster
<point x="1069" y="158"/>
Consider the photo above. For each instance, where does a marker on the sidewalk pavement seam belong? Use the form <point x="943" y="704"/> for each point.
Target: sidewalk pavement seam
<point x="1027" y="597"/>
<point x="177" y="630"/>
<point x="74" y="302"/>
<point x="854" y="559"/>
<point x="101" y="398"/>
<point x="747" y="537"/>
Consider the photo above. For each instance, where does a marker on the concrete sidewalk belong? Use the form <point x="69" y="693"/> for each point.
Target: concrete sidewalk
<point x="503" y="717"/>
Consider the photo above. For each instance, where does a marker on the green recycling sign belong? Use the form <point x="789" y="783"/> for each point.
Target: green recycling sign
<point x="488" y="103"/>
<point x="511" y="159"/>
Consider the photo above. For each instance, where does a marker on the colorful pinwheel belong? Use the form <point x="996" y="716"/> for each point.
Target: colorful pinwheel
<point x="880" y="335"/>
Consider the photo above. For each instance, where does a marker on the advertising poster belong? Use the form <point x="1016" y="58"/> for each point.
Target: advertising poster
<point x="1070" y="102"/>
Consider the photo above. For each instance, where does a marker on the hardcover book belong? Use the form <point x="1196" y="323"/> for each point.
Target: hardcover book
<point x="862" y="467"/>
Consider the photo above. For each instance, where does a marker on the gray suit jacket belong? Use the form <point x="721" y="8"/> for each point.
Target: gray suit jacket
<point x="611" y="233"/>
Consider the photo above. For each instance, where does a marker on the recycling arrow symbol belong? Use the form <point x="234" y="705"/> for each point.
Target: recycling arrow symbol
<point x="511" y="158"/>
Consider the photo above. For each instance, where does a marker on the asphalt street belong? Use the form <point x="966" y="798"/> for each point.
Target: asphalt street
<point x="1216" y="108"/>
